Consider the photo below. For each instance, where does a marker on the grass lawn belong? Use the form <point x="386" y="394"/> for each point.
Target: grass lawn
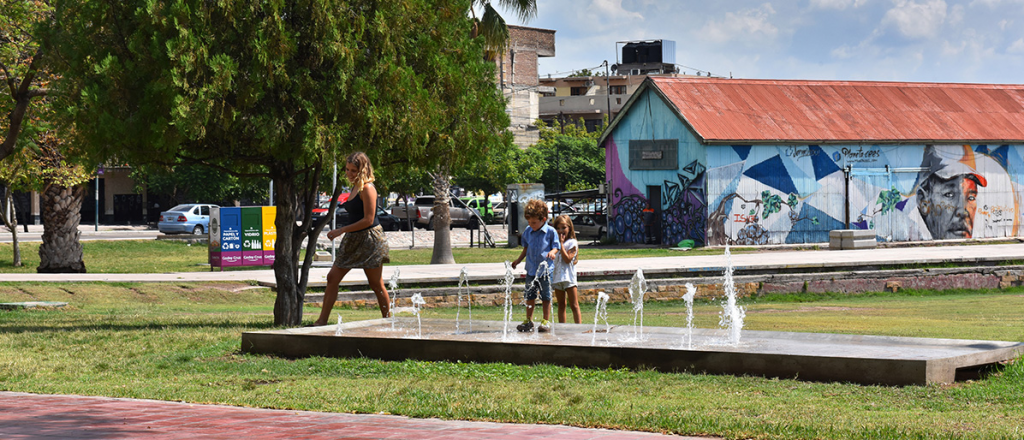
<point x="181" y="342"/>
<point x="163" y="256"/>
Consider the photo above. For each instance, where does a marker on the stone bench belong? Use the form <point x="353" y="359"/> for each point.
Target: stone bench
<point x="846" y="239"/>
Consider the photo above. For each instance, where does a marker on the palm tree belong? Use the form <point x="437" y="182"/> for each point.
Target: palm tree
<point x="492" y="28"/>
<point x="491" y="25"/>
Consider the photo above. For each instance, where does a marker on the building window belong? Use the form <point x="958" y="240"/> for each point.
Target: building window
<point x="617" y="90"/>
<point x="618" y="100"/>
<point x="561" y="102"/>
<point x="578" y="91"/>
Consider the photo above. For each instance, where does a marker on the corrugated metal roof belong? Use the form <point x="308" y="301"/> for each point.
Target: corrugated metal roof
<point x="748" y="111"/>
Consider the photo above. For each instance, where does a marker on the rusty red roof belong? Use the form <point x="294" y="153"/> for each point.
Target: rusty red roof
<point x="748" y="111"/>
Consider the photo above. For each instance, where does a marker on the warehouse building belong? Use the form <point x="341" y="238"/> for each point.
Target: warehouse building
<point x="755" y="162"/>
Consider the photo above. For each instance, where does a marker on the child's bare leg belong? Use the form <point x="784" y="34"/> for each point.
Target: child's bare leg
<point x="572" y="297"/>
<point x="529" y="309"/>
<point x="547" y="309"/>
<point x="560" y="296"/>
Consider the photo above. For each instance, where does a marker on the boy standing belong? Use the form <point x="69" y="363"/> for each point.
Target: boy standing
<point x="540" y="244"/>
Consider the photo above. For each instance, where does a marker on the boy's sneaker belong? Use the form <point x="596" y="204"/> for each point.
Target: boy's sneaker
<point x="525" y="326"/>
<point x="544" y="327"/>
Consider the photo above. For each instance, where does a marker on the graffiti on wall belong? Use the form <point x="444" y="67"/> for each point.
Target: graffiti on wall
<point x="753" y="232"/>
<point x="683" y="211"/>
<point x="772" y="195"/>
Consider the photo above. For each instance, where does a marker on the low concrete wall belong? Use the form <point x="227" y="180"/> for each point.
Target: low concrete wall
<point x="707" y="287"/>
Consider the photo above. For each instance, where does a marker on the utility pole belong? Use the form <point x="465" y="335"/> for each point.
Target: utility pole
<point x="608" y="90"/>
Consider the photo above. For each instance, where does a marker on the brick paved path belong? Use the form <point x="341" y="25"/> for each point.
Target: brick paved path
<point x="40" y="416"/>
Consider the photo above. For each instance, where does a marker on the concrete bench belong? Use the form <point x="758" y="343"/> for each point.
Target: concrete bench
<point x="845" y="239"/>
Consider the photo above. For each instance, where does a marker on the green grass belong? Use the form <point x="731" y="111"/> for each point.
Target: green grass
<point x="181" y="342"/>
<point x="163" y="256"/>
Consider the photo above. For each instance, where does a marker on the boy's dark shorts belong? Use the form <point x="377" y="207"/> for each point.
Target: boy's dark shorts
<point x="538" y="284"/>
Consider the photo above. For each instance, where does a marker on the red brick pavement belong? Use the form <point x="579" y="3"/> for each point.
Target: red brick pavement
<point x="40" y="416"/>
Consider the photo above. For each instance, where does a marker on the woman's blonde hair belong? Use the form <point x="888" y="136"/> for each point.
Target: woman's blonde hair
<point x="365" y="173"/>
<point x="564" y="219"/>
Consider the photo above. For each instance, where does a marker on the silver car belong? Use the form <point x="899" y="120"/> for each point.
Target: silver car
<point x="188" y="218"/>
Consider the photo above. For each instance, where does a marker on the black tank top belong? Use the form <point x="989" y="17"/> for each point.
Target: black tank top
<point x="355" y="208"/>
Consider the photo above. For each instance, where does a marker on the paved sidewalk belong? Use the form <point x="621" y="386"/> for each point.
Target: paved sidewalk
<point x="489" y="273"/>
<point x="40" y="416"/>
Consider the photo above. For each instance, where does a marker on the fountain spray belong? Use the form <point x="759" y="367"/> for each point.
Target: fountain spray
<point x="691" y="292"/>
<point x="601" y="314"/>
<point x="417" y="304"/>
<point x="507" y="282"/>
<point x="393" y="287"/>
<point x="637" y="289"/>
<point x="731" y="315"/>
<point x="464" y="287"/>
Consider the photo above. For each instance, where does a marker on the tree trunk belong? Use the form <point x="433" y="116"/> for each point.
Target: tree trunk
<point x="292" y="278"/>
<point x="290" y="297"/>
<point x="61" y="250"/>
<point x="442" y="219"/>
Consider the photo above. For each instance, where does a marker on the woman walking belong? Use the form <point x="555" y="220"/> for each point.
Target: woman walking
<point x="363" y="245"/>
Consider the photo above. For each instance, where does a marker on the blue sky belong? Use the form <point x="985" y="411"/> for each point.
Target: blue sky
<point x="971" y="41"/>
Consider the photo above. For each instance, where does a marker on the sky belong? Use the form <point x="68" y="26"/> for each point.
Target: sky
<point x="949" y="41"/>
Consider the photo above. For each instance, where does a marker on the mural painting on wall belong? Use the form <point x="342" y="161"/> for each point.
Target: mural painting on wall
<point x="683" y="213"/>
<point x="902" y="192"/>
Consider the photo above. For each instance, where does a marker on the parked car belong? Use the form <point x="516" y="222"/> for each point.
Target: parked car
<point x="321" y="210"/>
<point x="191" y="218"/>
<point x="482" y="206"/>
<point x="589" y="226"/>
<point x="341" y="216"/>
<point x="560" y="208"/>
<point x="422" y="214"/>
<point x="501" y="212"/>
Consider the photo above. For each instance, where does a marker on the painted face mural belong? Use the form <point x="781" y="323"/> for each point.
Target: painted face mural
<point x="948" y="192"/>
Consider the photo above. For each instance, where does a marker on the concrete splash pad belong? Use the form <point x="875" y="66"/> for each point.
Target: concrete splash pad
<point x="807" y="356"/>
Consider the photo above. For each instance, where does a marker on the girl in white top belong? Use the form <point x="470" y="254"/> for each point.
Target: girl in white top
<point x="564" y="281"/>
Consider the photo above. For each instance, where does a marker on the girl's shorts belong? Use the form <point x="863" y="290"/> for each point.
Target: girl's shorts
<point x="563" y="285"/>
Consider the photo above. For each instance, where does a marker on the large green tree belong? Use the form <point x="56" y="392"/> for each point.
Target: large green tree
<point x="278" y="89"/>
<point x="572" y="158"/>
<point x="21" y="68"/>
<point x="32" y="128"/>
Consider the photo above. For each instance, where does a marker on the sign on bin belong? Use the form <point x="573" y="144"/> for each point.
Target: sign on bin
<point x="252" y="236"/>
<point x="269" y="234"/>
<point x="230" y="237"/>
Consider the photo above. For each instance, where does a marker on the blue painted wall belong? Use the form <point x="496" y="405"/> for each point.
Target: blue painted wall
<point x="683" y="203"/>
<point x="775" y="194"/>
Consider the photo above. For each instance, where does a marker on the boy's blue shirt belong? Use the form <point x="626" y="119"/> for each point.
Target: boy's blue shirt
<point x="538" y="243"/>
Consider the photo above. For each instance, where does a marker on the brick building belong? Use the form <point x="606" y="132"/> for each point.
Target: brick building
<point x="518" y="79"/>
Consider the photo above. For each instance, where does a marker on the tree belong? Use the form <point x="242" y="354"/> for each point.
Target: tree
<point x="277" y="90"/>
<point x="197" y="183"/>
<point x="571" y="155"/>
<point x="20" y="65"/>
<point x="502" y="168"/>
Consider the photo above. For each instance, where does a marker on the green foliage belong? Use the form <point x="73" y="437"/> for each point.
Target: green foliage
<point x="581" y="73"/>
<point x="571" y="156"/>
<point x="196" y="183"/>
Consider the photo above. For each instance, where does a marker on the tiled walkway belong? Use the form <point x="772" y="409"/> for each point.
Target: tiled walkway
<point x="36" y="416"/>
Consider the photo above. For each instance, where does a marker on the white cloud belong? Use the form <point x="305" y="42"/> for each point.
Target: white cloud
<point x="752" y="26"/>
<point x="837" y="4"/>
<point x="1016" y="46"/>
<point x="916" y="20"/>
